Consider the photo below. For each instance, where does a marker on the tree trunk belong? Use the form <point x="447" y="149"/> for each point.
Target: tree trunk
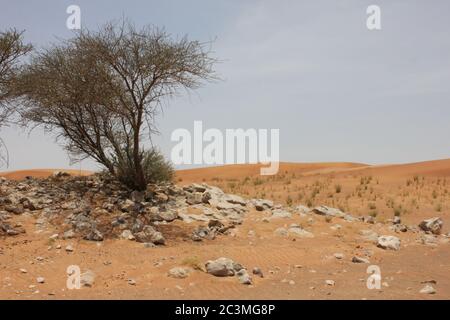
<point x="140" y="183"/>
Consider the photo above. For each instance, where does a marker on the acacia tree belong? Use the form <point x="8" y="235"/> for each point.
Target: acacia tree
<point x="12" y="48"/>
<point x="102" y="90"/>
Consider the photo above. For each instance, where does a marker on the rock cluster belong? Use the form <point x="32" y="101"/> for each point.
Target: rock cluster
<point x="96" y="206"/>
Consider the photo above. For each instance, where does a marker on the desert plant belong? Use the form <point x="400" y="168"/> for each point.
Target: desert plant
<point x="101" y="91"/>
<point x="289" y="200"/>
<point x="372" y="206"/>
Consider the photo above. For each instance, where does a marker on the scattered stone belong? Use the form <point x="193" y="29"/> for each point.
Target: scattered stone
<point x="69" y="248"/>
<point x="280" y="213"/>
<point x="282" y="232"/>
<point x="23" y="270"/>
<point x="368" y="219"/>
<point x="149" y="234"/>
<point x="127" y="234"/>
<point x="300" y="232"/>
<point x="329" y="282"/>
<point x="131" y="282"/>
<point x="222" y="267"/>
<point x="69" y="234"/>
<point x="87" y="278"/>
<point x="302" y="210"/>
<point x="179" y="272"/>
<point x="428" y="239"/>
<point x="258" y="272"/>
<point x="428" y="289"/>
<point x="244" y="277"/>
<point x="389" y="242"/>
<point x="339" y="256"/>
<point x="40" y="279"/>
<point x="327" y="211"/>
<point x="433" y="225"/>
<point x="357" y="259"/>
<point x="336" y="227"/>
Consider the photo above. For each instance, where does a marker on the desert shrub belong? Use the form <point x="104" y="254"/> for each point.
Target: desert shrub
<point x="434" y="194"/>
<point x="438" y="207"/>
<point x="258" y="182"/>
<point x="193" y="262"/>
<point x="289" y="200"/>
<point x="155" y="169"/>
<point x="372" y="206"/>
<point x="397" y="211"/>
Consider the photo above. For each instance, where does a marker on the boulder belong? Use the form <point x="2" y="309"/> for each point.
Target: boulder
<point x="222" y="267"/>
<point x="433" y="225"/>
<point x="388" y="243"/>
<point x="327" y="211"/>
<point x="179" y="272"/>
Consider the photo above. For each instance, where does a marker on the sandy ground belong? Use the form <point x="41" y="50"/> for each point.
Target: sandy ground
<point x="293" y="268"/>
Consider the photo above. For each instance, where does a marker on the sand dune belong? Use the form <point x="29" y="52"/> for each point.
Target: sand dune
<point x="40" y="173"/>
<point x="438" y="168"/>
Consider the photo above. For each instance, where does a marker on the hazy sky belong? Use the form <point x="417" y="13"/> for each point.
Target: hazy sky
<point x="336" y="91"/>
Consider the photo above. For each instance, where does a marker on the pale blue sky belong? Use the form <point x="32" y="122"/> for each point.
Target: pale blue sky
<point x="336" y="91"/>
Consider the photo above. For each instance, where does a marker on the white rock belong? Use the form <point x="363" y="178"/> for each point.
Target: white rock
<point x="222" y="267"/>
<point x="339" y="256"/>
<point x="327" y="211"/>
<point x="87" y="278"/>
<point x="330" y="282"/>
<point x="244" y="277"/>
<point x="389" y="242"/>
<point x="428" y="289"/>
<point x="127" y="234"/>
<point x="179" y="272"/>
